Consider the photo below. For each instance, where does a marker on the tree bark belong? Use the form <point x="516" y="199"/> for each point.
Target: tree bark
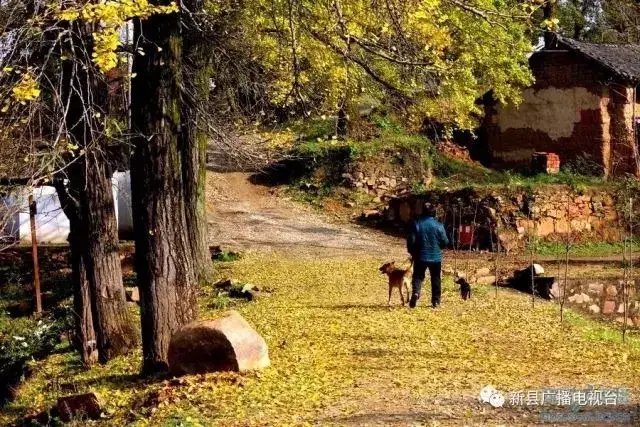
<point x="197" y="56"/>
<point x="84" y="337"/>
<point x="86" y="94"/>
<point x="342" y="123"/>
<point x="164" y="265"/>
<point x="115" y="332"/>
<point x="86" y="342"/>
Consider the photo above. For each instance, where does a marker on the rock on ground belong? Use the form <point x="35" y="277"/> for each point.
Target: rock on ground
<point x="485" y="271"/>
<point x="79" y="406"/>
<point x="227" y="343"/>
<point x="486" y="280"/>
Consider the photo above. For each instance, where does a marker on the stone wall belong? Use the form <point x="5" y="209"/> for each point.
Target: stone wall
<point x="605" y="297"/>
<point x="387" y="175"/>
<point x="513" y="214"/>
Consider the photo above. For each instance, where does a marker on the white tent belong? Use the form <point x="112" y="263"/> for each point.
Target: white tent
<point x="51" y="223"/>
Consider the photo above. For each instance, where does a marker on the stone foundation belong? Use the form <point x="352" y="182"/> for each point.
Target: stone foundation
<point x="515" y="214"/>
<point x="604" y="297"/>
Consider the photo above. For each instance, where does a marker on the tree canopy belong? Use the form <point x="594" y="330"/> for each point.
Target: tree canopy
<point x="601" y="21"/>
<point x="432" y="58"/>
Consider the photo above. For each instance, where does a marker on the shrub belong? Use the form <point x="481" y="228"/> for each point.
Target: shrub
<point x="227" y="256"/>
<point x="24" y="340"/>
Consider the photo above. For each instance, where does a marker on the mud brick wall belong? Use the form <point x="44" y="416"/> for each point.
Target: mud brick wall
<point x="568" y="111"/>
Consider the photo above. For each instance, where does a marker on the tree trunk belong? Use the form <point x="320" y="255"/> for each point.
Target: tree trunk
<point x="115" y="332"/>
<point x="86" y="94"/>
<point x="85" y="337"/>
<point x="549" y="11"/>
<point x="85" y="341"/>
<point x="164" y="264"/>
<point x="342" y="123"/>
<point x="197" y="55"/>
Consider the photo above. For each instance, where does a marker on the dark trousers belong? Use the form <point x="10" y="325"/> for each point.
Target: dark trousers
<point x="419" y="270"/>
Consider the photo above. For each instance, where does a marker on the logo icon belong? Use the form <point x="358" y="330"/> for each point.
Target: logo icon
<point x="491" y="396"/>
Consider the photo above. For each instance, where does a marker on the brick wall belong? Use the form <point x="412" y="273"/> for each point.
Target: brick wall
<point x="604" y="297"/>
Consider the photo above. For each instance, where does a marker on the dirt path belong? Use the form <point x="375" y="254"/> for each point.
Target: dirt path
<point x="245" y="216"/>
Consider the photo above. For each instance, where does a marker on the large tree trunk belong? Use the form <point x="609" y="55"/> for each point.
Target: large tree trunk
<point x="197" y="56"/>
<point x="164" y="265"/>
<point x="86" y="94"/>
<point x="84" y="337"/>
<point x="115" y="332"/>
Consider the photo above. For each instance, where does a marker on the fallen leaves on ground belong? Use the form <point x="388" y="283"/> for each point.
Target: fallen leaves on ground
<point x="340" y="355"/>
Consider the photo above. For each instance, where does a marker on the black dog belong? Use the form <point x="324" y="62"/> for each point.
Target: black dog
<point x="465" y="288"/>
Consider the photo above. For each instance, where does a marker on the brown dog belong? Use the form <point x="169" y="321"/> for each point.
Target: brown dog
<point x="398" y="278"/>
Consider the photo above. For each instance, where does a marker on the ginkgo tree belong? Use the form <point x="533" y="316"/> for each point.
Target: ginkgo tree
<point x="429" y="58"/>
<point x="55" y="63"/>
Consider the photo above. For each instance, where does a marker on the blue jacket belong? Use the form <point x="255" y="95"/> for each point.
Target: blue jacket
<point x="426" y="239"/>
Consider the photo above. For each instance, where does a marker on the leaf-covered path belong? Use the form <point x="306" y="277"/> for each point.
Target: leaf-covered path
<point x="397" y="366"/>
<point x="341" y="357"/>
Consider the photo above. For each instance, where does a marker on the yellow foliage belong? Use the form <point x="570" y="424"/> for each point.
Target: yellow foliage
<point x="27" y="89"/>
<point x="437" y="55"/>
<point x="110" y="16"/>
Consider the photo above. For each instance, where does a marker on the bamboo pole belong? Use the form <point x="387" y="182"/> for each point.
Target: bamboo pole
<point x="531" y="249"/>
<point x="473" y="229"/>
<point x="34" y="253"/>
<point x="473" y="234"/>
<point x="455" y="246"/>
<point x="497" y="253"/>
<point x="567" y="248"/>
<point x="629" y="275"/>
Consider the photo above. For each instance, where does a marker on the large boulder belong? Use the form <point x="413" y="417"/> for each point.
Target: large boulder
<point x="228" y="343"/>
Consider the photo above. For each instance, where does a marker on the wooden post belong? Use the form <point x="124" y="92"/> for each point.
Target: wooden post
<point x="628" y="275"/>
<point x="34" y="253"/>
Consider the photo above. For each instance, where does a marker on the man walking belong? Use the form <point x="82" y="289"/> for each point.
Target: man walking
<point x="426" y="239"/>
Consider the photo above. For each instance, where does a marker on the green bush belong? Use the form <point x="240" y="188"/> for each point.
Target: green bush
<point x="22" y="340"/>
<point x="227" y="256"/>
<point x="385" y="123"/>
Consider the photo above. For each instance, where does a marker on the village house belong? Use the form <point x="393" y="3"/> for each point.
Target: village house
<point x="583" y="107"/>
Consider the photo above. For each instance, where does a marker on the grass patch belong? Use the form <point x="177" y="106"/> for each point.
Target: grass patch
<point x="448" y="172"/>
<point x="227" y="256"/>
<point x="336" y="348"/>
<point x="387" y="142"/>
<point x="599" y="332"/>
<point x="586" y="249"/>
